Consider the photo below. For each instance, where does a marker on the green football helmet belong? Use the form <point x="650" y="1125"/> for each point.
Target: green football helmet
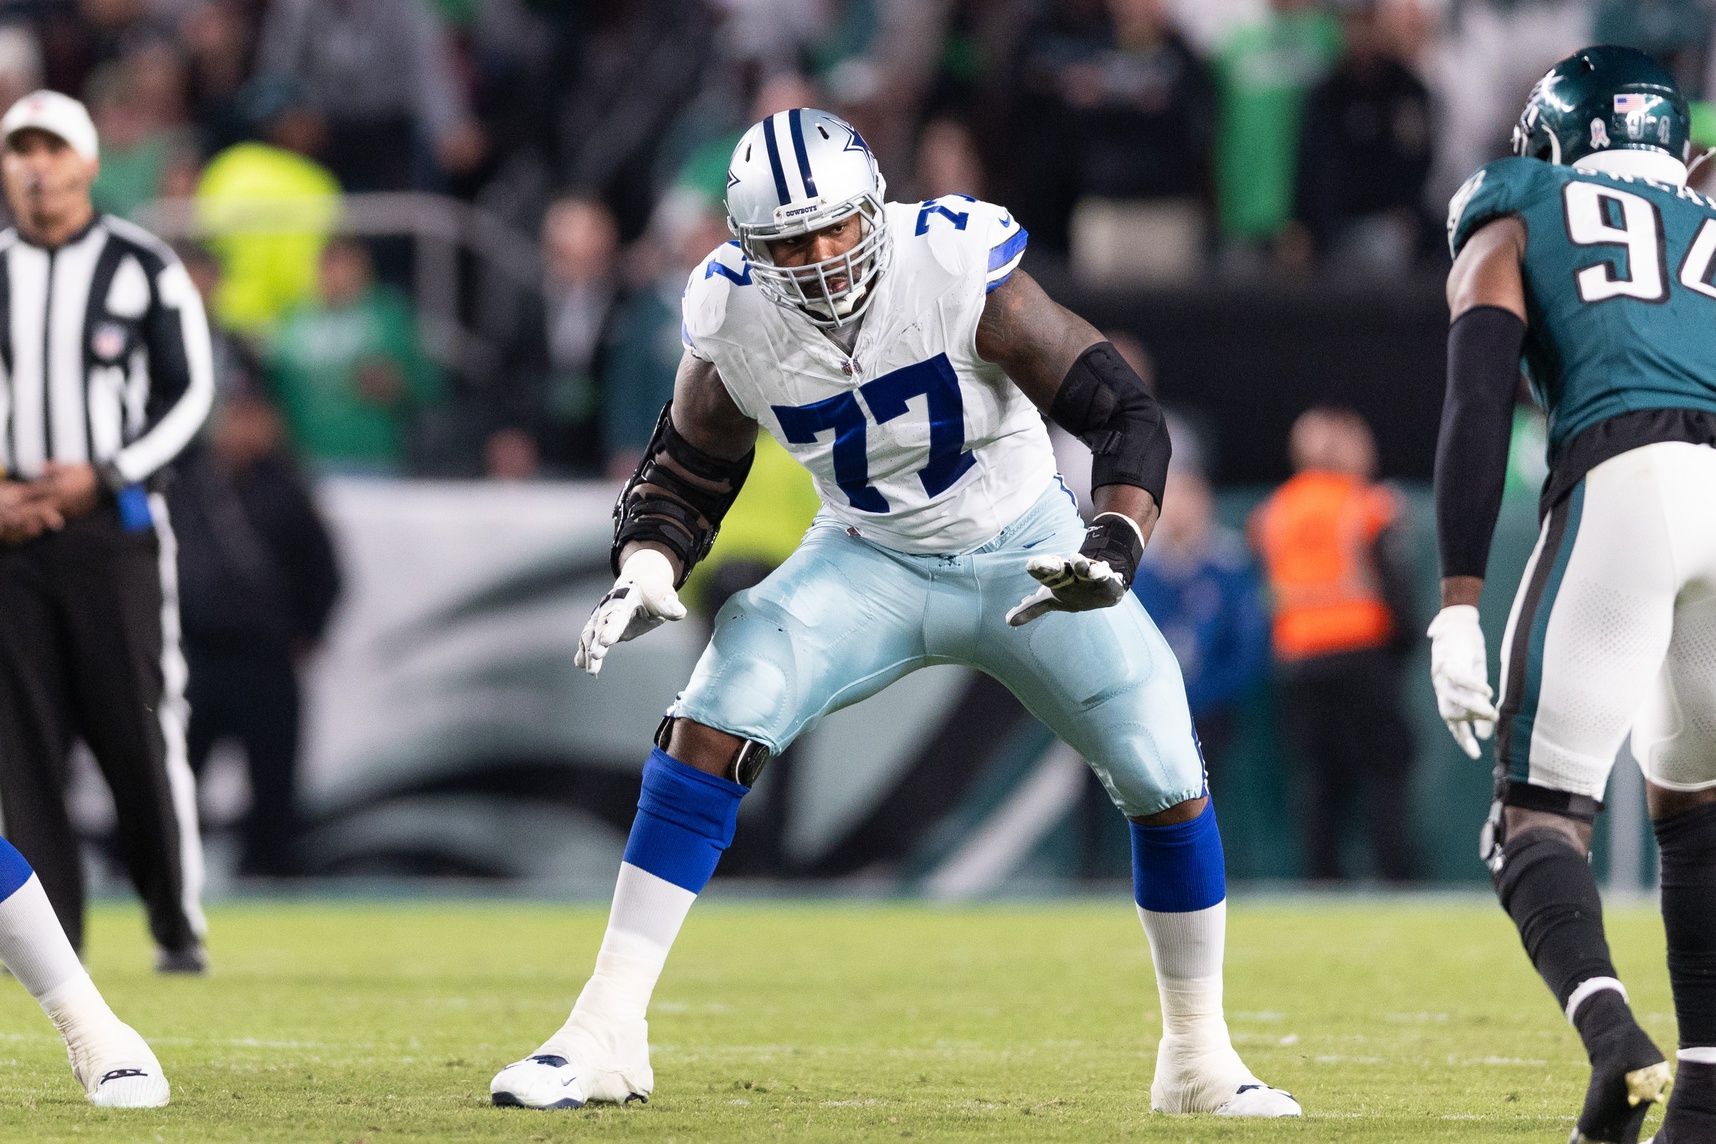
<point x="1604" y="99"/>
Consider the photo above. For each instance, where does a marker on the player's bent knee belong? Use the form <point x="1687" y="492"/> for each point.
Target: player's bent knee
<point x="1179" y="812"/>
<point x="712" y="751"/>
<point x="1521" y="807"/>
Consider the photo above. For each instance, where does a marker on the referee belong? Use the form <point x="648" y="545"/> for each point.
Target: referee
<point x="105" y="376"/>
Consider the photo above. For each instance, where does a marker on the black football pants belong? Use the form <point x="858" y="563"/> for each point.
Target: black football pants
<point x="88" y="651"/>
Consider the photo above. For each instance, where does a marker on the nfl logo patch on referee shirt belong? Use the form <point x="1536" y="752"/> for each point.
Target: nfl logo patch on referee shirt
<point x="107" y="340"/>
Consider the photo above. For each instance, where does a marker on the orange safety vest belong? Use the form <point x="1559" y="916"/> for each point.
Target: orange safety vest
<point x="1316" y="535"/>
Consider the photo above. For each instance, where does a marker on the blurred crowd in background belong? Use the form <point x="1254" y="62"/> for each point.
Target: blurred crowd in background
<point x="1141" y="141"/>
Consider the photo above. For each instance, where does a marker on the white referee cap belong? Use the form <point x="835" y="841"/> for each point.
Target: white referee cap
<point x="57" y="114"/>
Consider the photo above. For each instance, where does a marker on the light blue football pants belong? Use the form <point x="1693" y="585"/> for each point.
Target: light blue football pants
<point x="843" y="617"/>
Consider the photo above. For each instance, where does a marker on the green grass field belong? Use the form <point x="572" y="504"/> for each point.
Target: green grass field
<point x="1392" y="1020"/>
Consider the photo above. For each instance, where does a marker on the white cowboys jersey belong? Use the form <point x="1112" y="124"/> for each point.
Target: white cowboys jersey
<point x="912" y="439"/>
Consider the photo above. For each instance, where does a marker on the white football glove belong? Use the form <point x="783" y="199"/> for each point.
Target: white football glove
<point x="641" y="600"/>
<point x="1073" y="583"/>
<point x="1459" y="671"/>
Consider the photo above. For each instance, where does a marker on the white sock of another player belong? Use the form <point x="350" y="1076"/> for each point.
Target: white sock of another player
<point x="685" y="821"/>
<point x="34" y="947"/>
<point x="1180" y="885"/>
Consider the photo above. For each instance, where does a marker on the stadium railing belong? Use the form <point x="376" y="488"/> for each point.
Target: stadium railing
<point x="457" y="251"/>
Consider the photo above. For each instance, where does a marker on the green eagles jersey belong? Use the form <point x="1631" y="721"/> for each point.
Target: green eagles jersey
<point x="1620" y="288"/>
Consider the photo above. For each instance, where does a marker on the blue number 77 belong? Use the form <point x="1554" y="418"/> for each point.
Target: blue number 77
<point x="887" y="396"/>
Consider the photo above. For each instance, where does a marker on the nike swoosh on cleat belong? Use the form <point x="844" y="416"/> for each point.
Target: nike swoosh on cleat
<point x="120" y="1074"/>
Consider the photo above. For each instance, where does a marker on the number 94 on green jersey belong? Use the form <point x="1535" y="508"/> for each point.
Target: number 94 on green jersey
<point x="1620" y="287"/>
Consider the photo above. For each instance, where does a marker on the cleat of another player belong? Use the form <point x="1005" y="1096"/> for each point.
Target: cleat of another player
<point x="542" y="1081"/>
<point x="1616" y="1107"/>
<point x="592" y="1059"/>
<point x="1212" y="1079"/>
<point x="117" y="1069"/>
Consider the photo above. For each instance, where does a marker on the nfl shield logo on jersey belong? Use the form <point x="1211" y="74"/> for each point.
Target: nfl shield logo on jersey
<point x="107" y="341"/>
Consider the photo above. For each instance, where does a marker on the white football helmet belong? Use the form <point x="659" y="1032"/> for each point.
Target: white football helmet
<point x="798" y="171"/>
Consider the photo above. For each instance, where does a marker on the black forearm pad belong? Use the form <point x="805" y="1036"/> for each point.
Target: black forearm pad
<point x="1103" y="403"/>
<point x="1477" y="422"/>
<point x="677" y="498"/>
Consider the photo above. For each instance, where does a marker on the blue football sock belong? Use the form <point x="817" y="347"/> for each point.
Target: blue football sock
<point x="1179" y="868"/>
<point x="14" y="870"/>
<point x="685" y="819"/>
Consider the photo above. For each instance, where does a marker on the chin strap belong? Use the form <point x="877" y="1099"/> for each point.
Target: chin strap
<point x="1692" y="167"/>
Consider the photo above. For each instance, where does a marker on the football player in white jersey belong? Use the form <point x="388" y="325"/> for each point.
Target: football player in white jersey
<point x="900" y="354"/>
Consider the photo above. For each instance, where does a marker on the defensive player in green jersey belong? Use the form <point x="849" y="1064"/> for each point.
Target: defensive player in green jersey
<point x="1587" y="258"/>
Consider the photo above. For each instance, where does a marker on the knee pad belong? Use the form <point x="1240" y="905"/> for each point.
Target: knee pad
<point x="1492" y="839"/>
<point x="743" y="768"/>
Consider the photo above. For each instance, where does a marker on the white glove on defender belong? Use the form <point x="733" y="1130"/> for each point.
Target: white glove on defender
<point x="1459" y="671"/>
<point x="641" y="600"/>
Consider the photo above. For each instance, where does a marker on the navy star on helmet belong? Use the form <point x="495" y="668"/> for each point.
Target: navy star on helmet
<point x="796" y="172"/>
<point x="1604" y="99"/>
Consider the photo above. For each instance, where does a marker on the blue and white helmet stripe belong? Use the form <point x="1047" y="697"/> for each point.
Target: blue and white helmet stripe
<point x="771" y="135"/>
<point x="780" y="127"/>
<point x="796" y="118"/>
<point x="796" y="172"/>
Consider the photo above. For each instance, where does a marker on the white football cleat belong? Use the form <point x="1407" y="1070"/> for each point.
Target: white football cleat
<point x="542" y="1081"/>
<point x="590" y="1060"/>
<point x="1213" y="1080"/>
<point x="1260" y="1100"/>
<point x="116" y="1068"/>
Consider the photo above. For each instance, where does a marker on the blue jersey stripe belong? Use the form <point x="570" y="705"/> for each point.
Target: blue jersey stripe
<point x="775" y="161"/>
<point x="795" y="117"/>
<point x="1006" y="252"/>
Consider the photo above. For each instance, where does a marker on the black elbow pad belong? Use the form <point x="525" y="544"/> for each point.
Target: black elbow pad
<point x="1103" y="403"/>
<point x="677" y="498"/>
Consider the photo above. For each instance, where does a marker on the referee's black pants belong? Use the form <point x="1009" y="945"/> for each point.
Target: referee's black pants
<point x="89" y="649"/>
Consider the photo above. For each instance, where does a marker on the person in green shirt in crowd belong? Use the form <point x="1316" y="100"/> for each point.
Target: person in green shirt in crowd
<point x="1264" y="73"/>
<point x="349" y="372"/>
<point x="140" y="148"/>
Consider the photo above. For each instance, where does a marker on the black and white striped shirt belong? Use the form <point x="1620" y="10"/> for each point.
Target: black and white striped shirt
<point x="104" y="353"/>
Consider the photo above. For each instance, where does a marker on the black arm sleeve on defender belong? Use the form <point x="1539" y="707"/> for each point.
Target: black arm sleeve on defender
<point x="1103" y="403"/>
<point x="677" y="498"/>
<point x="1477" y="421"/>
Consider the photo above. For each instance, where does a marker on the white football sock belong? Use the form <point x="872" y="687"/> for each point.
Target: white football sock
<point x="642" y="925"/>
<point x="1187" y="949"/>
<point x="1698" y="1055"/>
<point x="35" y="949"/>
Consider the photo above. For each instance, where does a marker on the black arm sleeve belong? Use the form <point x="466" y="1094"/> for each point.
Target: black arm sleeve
<point x="1477" y="420"/>
<point x="1103" y="403"/>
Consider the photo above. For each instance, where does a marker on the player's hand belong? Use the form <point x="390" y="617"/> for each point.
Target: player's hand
<point x="1069" y="584"/>
<point x="641" y="600"/>
<point x="1459" y="671"/>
